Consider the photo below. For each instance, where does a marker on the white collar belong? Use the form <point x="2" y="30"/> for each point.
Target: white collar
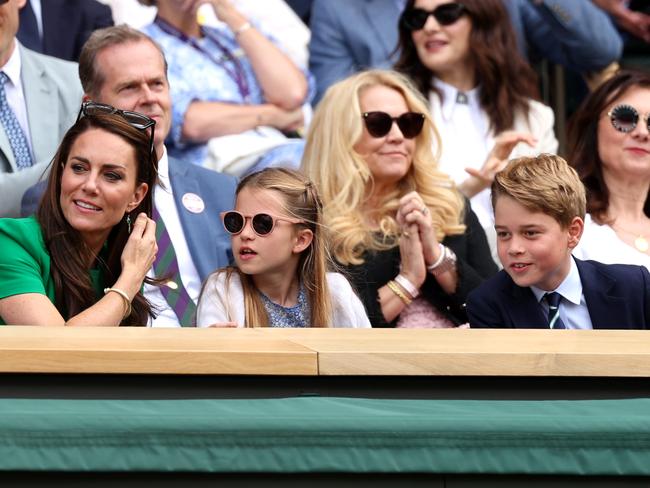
<point x="13" y="65"/>
<point x="450" y="96"/>
<point x="163" y="171"/>
<point x="570" y="288"/>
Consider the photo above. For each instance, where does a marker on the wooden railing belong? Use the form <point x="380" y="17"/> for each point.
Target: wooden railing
<point x="320" y="352"/>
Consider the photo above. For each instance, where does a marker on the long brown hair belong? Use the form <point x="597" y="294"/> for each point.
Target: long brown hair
<point x="582" y="138"/>
<point x="68" y="253"/>
<point x="506" y="81"/>
<point x="302" y="202"/>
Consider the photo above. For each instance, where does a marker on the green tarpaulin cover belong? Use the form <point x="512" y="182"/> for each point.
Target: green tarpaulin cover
<point x="325" y="434"/>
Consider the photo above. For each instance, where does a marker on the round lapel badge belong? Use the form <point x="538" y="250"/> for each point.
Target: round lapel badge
<point x="193" y="203"/>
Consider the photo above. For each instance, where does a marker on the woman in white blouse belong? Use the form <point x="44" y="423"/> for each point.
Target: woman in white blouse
<point x="464" y="58"/>
<point x="609" y="145"/>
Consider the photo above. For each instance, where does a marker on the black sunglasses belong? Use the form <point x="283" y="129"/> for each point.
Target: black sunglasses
<point x="262" y="223"/>
<point x="135" y="119"/>
<point x="446" y="14"/>
<point x="380" y="123"/>
<point x="625" y="117"/>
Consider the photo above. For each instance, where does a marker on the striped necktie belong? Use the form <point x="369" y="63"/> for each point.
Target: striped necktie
<point x="15" y="134"/>
<point x="166" y="267"/>
<point x="554" y="321"/>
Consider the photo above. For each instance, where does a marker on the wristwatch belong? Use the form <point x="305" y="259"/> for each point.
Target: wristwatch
<point x="446" y="262"/>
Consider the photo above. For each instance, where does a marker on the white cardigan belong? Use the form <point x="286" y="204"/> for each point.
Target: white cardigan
<point x="220" y="303"/>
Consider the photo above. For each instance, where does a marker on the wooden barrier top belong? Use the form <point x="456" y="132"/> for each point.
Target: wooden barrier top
<point x="404" y="352"/>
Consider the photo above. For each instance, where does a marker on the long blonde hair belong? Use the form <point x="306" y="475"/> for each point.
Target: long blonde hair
<point x="300" y="200"/>
<point x="343" y="177"/>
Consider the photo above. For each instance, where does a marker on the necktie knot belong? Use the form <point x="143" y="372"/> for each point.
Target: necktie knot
<point x="553" y="299"/>
<point x="3" y="78"/>
<point x="554" y="321"/>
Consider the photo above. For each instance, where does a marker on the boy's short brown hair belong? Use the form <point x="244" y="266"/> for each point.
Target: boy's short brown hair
<point x="544" y="183"/>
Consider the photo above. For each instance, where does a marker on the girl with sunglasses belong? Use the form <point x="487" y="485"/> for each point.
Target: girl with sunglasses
<point x="609" y="145"/>
<point x="280" y="248"/>
<point x="463" y="57"/>
<point x="409" y="241"/>
<point x="82" y="259"/>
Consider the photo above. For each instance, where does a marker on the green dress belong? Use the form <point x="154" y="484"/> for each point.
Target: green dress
<point x="25" y="262"/>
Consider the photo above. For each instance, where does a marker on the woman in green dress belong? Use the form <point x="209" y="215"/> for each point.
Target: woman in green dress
<point x="82" y="259"/>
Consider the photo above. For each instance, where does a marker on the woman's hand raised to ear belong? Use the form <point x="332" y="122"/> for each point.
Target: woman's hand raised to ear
<point x="496" y="160"/>
<point x="140" y="251"/>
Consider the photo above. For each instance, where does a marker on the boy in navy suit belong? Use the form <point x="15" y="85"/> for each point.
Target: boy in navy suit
<point x="539" y="207"/>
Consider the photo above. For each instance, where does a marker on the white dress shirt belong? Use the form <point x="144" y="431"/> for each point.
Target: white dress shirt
<point x="16" y="95"/>
<point x="164" y="202"/>
<point x="466" y="142"/>
<point x="573" y="308"/>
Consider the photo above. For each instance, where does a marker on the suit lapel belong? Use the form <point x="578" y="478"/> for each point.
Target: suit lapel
<point x="42" y="113"/>
<point x="524" y="309"/>
<point x="606" y="311"/>
<point x="197" y="227"/>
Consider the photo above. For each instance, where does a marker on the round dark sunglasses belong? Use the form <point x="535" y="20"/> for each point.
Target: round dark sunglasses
<point x="262" y="223"/>
<point x="446" y="14"/>
<point x="380" y="123"/>
<point x="625" y="117"/>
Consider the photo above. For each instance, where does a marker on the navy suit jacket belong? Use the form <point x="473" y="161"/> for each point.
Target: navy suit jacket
<point x="617" y="296"/>
<point x="207" y="240"/>
<point x="67" y="25"/>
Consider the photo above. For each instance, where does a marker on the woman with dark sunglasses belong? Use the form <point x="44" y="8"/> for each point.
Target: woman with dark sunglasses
<point x="280" y="248"/>
<point x="82" y="259"/>
<point x="463" y="57"/>
<point x="408" y="239"/>
<point x="609" y="146"/>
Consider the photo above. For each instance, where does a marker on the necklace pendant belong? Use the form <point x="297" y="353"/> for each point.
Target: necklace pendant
<point x="641" y="243"/>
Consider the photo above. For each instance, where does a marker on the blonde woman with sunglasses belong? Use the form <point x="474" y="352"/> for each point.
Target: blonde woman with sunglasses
<point x="280" y="249"/>
<point x="410" y="242"/>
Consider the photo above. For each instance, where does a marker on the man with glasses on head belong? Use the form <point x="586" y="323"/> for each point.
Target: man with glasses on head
<point x="39" y="97"/>
<point x="123" y="68"/>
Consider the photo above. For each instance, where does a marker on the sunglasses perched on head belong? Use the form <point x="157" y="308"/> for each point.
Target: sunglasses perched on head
<point x="135" y="119"/>
<point x="625" y="117"/>
<point x="262" y="223"/>
<point x="446" y="14"/>
<point x="380" y="123"/>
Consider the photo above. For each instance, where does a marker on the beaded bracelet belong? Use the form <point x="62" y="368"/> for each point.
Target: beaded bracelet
<point x="394" y="287"/>
<point x="408" y="286"/>
<point x="125" y="298"/>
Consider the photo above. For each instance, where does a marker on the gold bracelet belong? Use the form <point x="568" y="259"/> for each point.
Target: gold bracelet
<point x="125" y="298"/>
<point x="394" y="287"/>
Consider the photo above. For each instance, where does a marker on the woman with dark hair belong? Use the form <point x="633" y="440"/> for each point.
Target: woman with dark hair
<point x="84" y="256"/>
<point x="609" y="146"/>
<point x="464" y="58"/>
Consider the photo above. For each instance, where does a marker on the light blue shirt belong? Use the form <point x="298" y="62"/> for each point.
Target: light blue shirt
<point x="573" y="307"/>
<point x="194" y="76"/>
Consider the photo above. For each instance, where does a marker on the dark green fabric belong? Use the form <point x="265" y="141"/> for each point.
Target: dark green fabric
<point x="321" y="434"/>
